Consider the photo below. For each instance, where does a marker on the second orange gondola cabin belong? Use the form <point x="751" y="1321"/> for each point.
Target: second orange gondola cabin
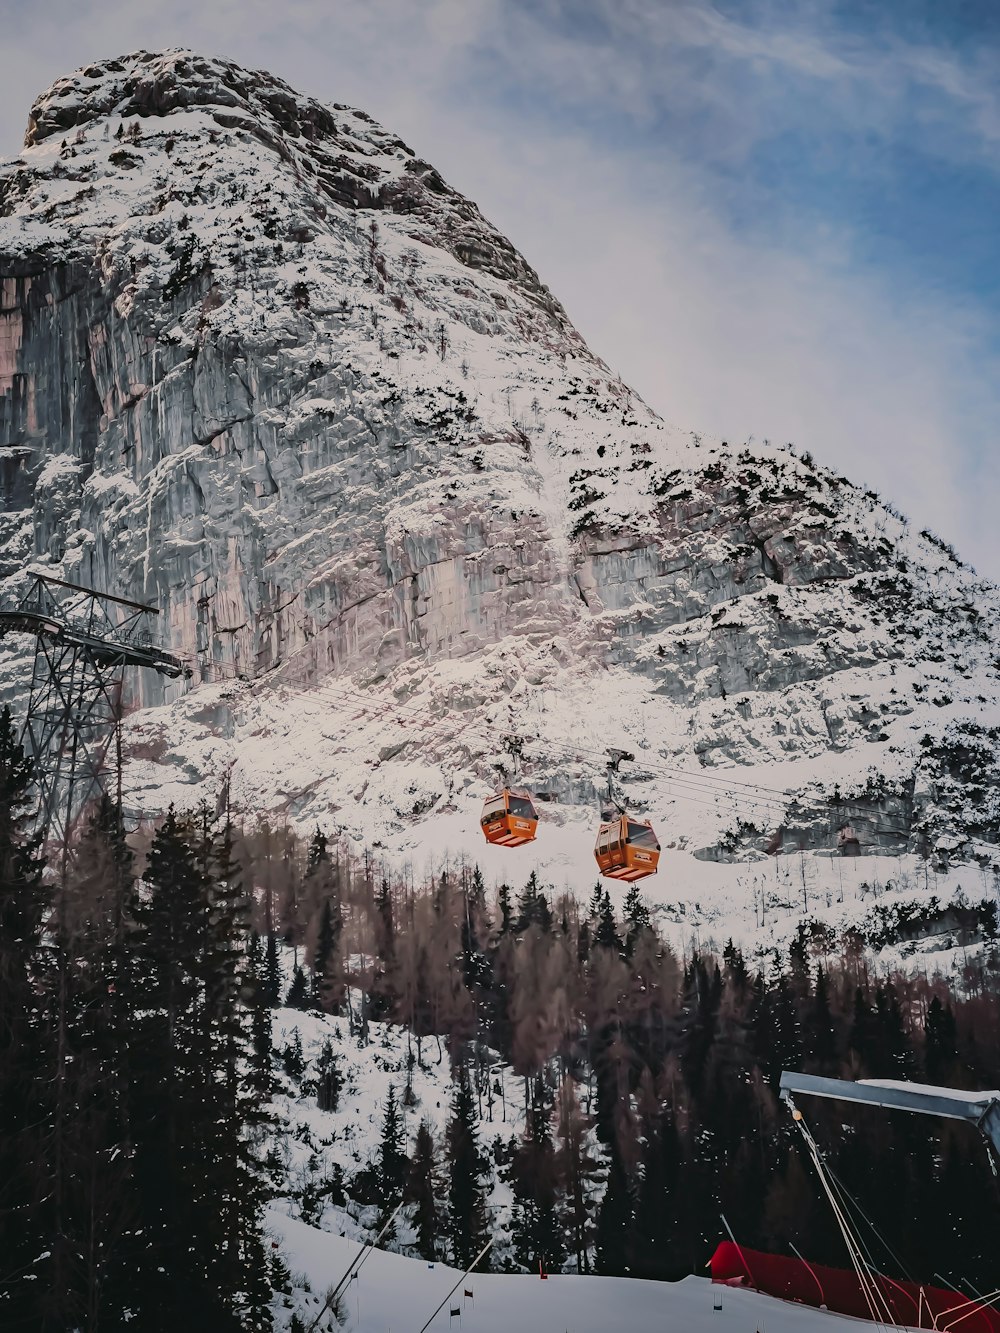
<point x="627" y="848"/>
<point x="509" y="818"/>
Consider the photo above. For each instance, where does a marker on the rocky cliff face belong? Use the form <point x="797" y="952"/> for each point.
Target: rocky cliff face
<point x="262" y="367"/>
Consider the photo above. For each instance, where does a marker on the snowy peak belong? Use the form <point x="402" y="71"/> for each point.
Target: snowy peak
<point x="350" y="159"/>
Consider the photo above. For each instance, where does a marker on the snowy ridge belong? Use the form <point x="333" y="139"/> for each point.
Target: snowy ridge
<point x="391" y="508"/>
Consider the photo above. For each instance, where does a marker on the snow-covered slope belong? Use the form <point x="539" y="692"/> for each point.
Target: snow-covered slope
<point x="262" y="367"/>
<point x="392" y="1293"/>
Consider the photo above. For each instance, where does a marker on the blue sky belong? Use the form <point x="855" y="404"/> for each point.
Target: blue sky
<point x="773" y="217"/>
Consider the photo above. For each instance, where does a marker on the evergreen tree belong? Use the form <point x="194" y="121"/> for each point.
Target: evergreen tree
<point x="328" y="1078"/>
<point x="298" y="991"/>
<point x="536" y="1230"/>
<point x="737" y="972"/>
<point x="505" y="909"/>
<point x="422" y="1190"/>
<point x="466" y="1200"/>
<point x="169" y="1070"/>
<point x="272" y="973"/>
<point x="822" y="1043"/>
<point x="27" y="1063"/>
<point x="862" y="1039"/>
<point x="606" y="933"/>
<point x="577" y="1171"/>
<point x="941" y="1049"/>
<point x="596" y="901"/>
<point x="327" y="987"/>
<point x="614" y="1220"/>
<point x="200" y="1190"/>
<point x="257" y="990"/>
<point x="653" y="1253"/>
<point x="89" y="993"/>
<point x="384" y="989"/>
<point x="787" y="1049"/>
<point x="637" y="919"/>
<point x="234" y="1112"/>
<point x="697" y="1020"/>
<point x="318" y="854"/>
<point x="292" y="1057"/>
<point x="392" y="1162"/>
<point x="475" y="941"/>
<point x="533" y="907"/>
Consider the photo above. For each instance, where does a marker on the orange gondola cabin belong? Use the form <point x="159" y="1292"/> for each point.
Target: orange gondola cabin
<point x="509" y="817"/>
<point x="627" y="848"/>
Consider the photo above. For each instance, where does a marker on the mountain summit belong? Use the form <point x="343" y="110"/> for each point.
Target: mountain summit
<point x="261" y="366"/>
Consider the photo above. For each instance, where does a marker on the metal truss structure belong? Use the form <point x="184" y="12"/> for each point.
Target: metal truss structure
<point x="84" y="640"/>
<point x="981" y="1109"/>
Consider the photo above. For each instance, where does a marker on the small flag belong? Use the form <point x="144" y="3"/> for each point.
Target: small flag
<point x="457" y="1311"/>
<point x="541" y="1272"/>
<point x="468" y="1294"/>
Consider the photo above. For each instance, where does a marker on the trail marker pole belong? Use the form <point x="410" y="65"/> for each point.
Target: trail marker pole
<point x="461" y="1279"/>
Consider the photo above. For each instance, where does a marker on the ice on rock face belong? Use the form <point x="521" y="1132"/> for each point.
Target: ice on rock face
<point x="262" y="367"/>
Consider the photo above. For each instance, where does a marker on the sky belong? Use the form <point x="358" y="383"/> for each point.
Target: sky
<point x="776" y="219"/>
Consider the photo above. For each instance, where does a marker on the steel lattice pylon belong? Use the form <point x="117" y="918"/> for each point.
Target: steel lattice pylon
<point x="84" y="640"/>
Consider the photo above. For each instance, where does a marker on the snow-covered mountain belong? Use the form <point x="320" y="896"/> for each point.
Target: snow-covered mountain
<point x="262" y="367"/>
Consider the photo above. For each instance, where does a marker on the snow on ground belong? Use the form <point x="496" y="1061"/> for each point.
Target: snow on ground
<point x="393" y="1294"/>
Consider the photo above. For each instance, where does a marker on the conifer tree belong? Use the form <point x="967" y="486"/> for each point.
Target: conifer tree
<point x="466" y="1169"/>
<point x="272" y="973"/>
<point x="293" y="1058"/>
<point x="940" y="1050"/>
<point x="822" y="1045"/>
<point x="298" y="991"/>
<point x="637" y="919"/>
<point x="596" y="901"/>
<point x="327" y="979"/>
<point x="392" y="1160"/>
<point x="737" y="972"/>
<point x="653" y="1251"/>
<point x="89" y="992"/>
<point x="577" y="1169"/>
<point x="606" y="933"/>
<point x="328" y="1078"/>
<point x="422" y="1190"/>
<point x="614" y="1220"/>
<point x="26" y="1059"/>
<point x="261" y="1041"/>
<point x="533" y="907"/>
<point x="536" y="1230"/>
<point x="475" y="940"/>
<point x="169" y="1070"/>
<point x="234" y="1110"/>
<point x="506" y="923"/>
<point x="199" y="1187"/>
<point x="862" y="1039"/>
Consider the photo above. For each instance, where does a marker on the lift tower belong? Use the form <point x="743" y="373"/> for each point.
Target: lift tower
<point x="84" y="640"/>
